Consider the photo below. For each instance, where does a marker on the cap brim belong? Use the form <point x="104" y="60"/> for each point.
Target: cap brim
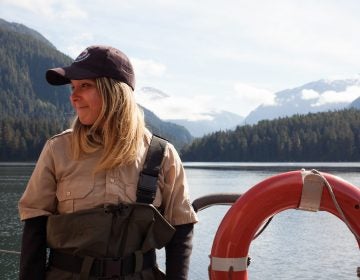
<point x="64" y="75"/>
<point x="56" y="76"/>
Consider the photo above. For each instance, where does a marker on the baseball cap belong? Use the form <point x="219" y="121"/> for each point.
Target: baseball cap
<point x="95" y="62"/>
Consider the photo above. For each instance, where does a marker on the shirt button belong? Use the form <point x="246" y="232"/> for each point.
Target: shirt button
<point x="68" y="193"/>
<point x="112" y="180"/>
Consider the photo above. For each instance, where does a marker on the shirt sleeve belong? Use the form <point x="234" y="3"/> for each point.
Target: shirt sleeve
<point x="176" y="202"/>
<point x="39" y="198"/>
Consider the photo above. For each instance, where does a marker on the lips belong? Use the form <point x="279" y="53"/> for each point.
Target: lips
<point x="81" y="107"/>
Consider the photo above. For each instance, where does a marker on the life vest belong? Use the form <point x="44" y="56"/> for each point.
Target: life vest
<point x="114" y="241"/>
<point x="302" y="190"/>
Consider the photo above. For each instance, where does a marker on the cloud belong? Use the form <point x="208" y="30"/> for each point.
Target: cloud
<point x="148" y="68"/>
<point x="172" y="107"/>
<point x="79" y="43"/>
<point x="51" y="9"/>
<point x="241" y="100"/>
<point x="308" y="94"/>
<point x="349" y="95"/>
<point x="248" y="97"/>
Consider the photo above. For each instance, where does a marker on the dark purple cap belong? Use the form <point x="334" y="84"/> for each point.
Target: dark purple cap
<point x="95" y="62"/>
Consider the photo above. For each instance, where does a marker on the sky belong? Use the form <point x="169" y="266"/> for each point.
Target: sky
<point x="207" y="55"/>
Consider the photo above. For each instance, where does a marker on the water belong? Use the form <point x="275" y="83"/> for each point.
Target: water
<point x="296" y="245"/>
<point x="13" y="179"/>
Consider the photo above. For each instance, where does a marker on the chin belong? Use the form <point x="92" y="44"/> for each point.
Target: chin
<point x="86" y="123"/>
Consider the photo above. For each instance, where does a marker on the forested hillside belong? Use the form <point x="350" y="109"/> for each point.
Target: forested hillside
<point x="31" y="110"/>
<point x="330" y="136"/>
<point x="24" y="91"/>
<point x="177" y="134"/>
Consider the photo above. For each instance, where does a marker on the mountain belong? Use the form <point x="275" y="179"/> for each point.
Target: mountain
<point x="318" y="96"/>
<point x="31" y="110"/>
<point x="24" y="57"/>
<point x="22" y="29"/>
<point x="355" y="104"/>
<point x="204" y="123"/>
<point x="222" y="120"/>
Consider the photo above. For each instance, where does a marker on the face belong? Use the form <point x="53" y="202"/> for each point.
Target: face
<point x="86" y="100"/>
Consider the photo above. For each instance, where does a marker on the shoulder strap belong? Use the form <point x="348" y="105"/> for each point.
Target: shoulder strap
<point x="147" y="185"/>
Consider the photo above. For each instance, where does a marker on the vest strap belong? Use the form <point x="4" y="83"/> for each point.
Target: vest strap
<point x="86" y="268"/>
<point x="147" y="184"/>
<point x="139" y="261"/>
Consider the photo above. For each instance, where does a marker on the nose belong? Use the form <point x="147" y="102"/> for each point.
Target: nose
<point x="74" y="95"/>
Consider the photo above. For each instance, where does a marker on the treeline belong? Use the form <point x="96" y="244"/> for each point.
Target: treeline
<point x="329" y="136"/>
<point x="22" y="139"/>
<point x="30" y="110"/>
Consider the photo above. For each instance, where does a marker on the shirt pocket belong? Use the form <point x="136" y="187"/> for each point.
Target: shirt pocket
<point x="69" y="190"/>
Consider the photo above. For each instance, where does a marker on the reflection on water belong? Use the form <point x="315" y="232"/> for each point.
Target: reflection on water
<point x="13" y="179"/>
<point x="296" y="245"/>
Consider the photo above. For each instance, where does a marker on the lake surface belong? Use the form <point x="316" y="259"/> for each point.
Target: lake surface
<point x="296" y="245"/>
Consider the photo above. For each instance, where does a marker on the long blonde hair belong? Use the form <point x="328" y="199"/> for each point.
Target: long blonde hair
<point x="118" y="130"/>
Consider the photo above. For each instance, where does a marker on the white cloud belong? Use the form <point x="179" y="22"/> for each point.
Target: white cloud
<point x="50" y="9"/>
<point x="349" y="95"/>
<point x="248" y="97"/>
<point x="172" y="107"/>
<point x="79" y="43"/>
<point x="69" y="11"/>
<point x="148" y="68"/>
<point x="241" y="100"/>
<point x="339" y="76"/>
<point x="33" y="6"/>
<point x="308" y="94"/>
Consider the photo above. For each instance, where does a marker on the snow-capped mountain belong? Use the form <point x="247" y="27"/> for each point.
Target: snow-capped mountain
<point x="318" y="96"/>
<point x="355" y="104"/>
<point x="198" y="124"/>
<point x="219" y="121"/>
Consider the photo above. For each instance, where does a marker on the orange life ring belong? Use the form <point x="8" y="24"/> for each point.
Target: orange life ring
<point x="290" y="190"/>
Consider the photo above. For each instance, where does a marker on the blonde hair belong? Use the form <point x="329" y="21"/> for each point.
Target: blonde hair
<point x="118" y="130"/>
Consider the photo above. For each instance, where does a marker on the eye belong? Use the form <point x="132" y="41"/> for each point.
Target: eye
<point x="87" y="85"/>
<point x="82" y="85"/>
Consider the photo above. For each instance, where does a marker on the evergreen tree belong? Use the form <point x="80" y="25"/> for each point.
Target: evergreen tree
<point x="328" y="136"/>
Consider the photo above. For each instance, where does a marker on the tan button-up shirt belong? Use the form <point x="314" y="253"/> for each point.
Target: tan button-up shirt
<point x="60" y="184"/>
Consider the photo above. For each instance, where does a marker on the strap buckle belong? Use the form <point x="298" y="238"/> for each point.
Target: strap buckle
<point x="146" y="190"/>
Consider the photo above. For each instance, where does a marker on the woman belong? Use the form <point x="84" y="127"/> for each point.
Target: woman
<point x="96" y="165"/>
